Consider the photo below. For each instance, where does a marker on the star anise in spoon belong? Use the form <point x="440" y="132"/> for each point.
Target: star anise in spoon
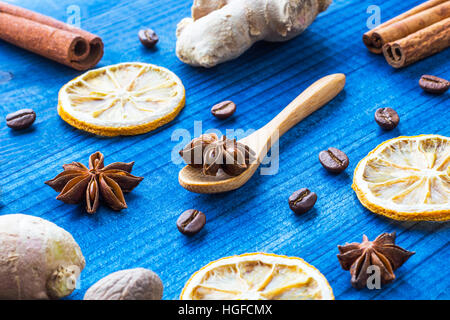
<point x="192" y="153"/>
<point x="229" y="155"/>
<point x="77" y="183"/>
<point x="382" y="253"/>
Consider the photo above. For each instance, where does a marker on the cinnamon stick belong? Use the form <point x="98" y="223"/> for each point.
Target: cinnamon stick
<point x="404" y="28"/>
<point x="375" y="46"/>
<point x="418" y="45"/>
<point x="49" y="37"/>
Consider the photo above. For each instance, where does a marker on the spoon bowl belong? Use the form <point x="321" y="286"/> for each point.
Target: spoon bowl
<point x="260" y="141"/>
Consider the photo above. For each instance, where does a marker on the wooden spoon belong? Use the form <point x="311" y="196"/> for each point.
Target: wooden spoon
<point x="260" y="141"/>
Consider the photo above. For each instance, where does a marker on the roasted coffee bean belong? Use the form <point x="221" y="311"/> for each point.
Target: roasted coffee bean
<point x="223" y="110"/>
<point x="302" y="201"/>
<point x="191" y="221"/>
<point x="334" y="160"/>
<point x="434" y="84"/>
<point x="21" y="119"/>
<point x="387" y="118"/>
<point x="148" y="37"/>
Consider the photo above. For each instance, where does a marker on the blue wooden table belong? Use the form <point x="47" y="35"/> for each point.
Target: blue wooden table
<point x="257" y="216"/>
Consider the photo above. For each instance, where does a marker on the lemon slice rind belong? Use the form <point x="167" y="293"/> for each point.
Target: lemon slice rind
<point x="413" y="178"/>
<point x="311" y="284"/>
<point x="146" y="117"/>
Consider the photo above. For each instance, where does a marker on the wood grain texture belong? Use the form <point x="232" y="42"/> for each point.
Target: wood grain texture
<point x="255" y="217"/>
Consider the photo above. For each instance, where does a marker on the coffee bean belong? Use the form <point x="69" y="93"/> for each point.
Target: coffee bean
<point x="334" y="160"/>
<point x="434" y="84"/>
<point x="302" y="201"/>
<point x="21" y="119"/>
<point x="191" y="221"/>
<point x="148" y="37"/>
<point x="223" y="110"/>
<point x="387" y="118"/>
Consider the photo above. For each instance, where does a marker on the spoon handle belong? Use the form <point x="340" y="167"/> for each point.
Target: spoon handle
<point x="310" y="100"/>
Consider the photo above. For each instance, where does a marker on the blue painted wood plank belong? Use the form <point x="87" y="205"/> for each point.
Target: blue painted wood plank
<point x="255" y="217"/>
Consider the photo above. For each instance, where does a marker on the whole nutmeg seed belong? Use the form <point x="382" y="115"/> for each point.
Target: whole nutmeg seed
<point x="130" y="284"/>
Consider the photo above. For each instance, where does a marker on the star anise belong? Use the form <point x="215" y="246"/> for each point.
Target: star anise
<point x="229" y="155"/>
<point x="192" y="153"/>
<point x="382" y="252"/>
<point x="77" y="183"/>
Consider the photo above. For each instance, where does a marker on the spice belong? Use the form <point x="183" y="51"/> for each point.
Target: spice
<point x="129" y="284"/>
<point x="413" y="35"/>
<point x="192" y="153"/>
<point x="222" y="30"/>
<point x="78" y="184"/>
<point x="381" y="253"/>
<point x="49" y="37"/>
<point x="419" y="45"/>
<point x="375" y="44"/>
<point x="212" y="154"/>
<point x="229" y="155"/>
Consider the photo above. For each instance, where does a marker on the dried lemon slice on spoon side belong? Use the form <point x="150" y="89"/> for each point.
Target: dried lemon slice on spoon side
<point x="257" y="276"/>
<point x="122" y="99"/>
<point x="407" y="178"/>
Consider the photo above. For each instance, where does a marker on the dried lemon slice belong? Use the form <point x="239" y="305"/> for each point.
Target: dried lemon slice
<point x="407" y="178"/>
<point x="122" y="99"/>
<point x="257" y="276"/>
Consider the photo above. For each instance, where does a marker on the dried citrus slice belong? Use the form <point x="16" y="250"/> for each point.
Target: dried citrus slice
<point x="122" y="99"/>
<point x="407" y="178"/>
<point x="257" y="276"/>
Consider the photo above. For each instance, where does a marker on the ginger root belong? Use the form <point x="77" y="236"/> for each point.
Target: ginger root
<point x="221" y="30"/>
<point x="38" y="259"/>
